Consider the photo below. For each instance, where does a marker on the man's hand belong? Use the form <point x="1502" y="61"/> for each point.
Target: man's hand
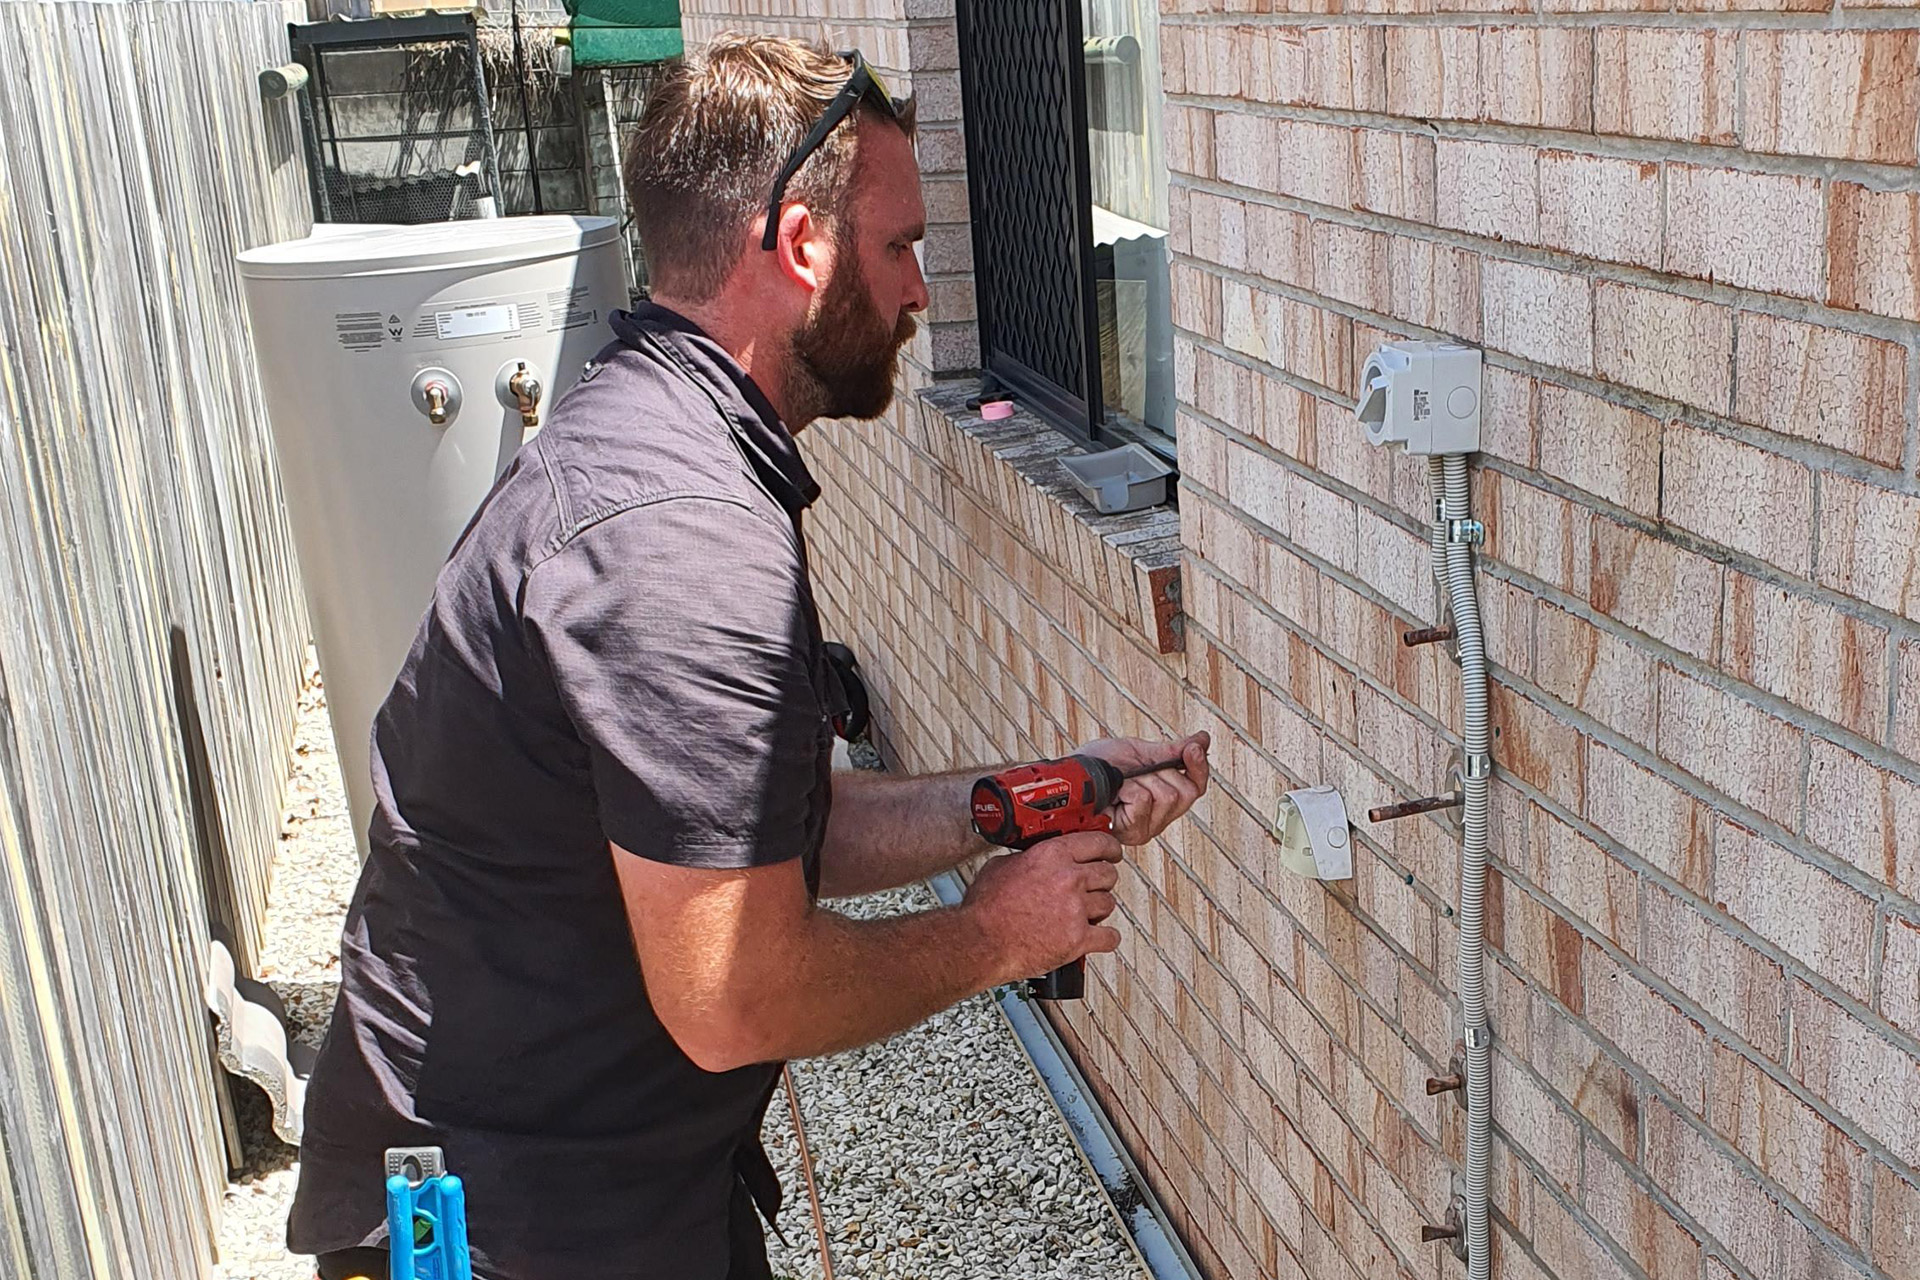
<point x="1149" y="803"/>
<point x="1042" y="908"/>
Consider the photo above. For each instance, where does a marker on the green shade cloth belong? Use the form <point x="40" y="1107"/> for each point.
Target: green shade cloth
<point x="617" y="33"/>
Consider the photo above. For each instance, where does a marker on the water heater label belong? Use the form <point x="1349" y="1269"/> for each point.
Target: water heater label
<point x="475" y="322"/>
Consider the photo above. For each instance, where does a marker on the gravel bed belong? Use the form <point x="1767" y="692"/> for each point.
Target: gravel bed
<point x="939" y="1153"/>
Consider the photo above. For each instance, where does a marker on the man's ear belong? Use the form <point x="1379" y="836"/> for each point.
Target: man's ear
<point x="800" y="246"/>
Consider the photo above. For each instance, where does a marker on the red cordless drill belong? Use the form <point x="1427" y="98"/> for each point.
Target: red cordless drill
<point x="1021" y="806"/>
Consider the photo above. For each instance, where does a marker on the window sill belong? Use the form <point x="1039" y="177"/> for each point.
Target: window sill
<point x="1129" y="564"/>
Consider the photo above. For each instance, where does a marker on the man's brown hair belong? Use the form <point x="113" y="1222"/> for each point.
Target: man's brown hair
<point x="714" y="134"/>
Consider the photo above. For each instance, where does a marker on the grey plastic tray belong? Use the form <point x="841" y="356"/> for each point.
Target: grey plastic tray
<point x="1123" y="479"/>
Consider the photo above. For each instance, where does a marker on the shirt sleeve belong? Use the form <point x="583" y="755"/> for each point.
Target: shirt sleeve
<point x="679" y="635"/>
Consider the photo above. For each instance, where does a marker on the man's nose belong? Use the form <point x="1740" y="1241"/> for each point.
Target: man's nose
<point x="917" y="298"/>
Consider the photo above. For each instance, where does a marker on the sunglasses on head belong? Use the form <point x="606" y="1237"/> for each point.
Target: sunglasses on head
<point x="863" y="84"/>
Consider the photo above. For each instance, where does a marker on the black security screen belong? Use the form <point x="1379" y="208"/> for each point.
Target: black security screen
<point x="1023" y="77"/>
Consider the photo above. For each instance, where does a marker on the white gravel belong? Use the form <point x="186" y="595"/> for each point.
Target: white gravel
<point x="939" y="1153"/>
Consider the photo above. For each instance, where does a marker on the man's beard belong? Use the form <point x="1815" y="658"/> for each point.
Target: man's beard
<point x="845" y="356"/>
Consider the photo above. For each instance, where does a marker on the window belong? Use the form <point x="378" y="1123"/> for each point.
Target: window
<point x="1069" y="191"/>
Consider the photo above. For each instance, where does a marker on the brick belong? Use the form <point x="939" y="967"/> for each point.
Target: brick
<point x="1592" y="884"/>
<point x="1754" y="230"/>
<point x="1545" y="944"/>
<point x="1896" y="1224"/>
<point x="1394" y="173"/>
<point x="1315" y="162"/>
<point x="1848" y="94"/>
<point x="1843" y="390"/>
<point x="1397" y="564"/>
<point x="1528" y="1116"/>
<point x="1538" y="76"/>
<point x="1649" y="816"/>
<point x="1350" y="265"/>
<point x="1790" y="1142"/>
<point x="1730" y="1204"/>
<point x="1532" y="744"/>
<point x="1864" y="815"/>
<point x="1869" y="1080"/>
<point x="1657" y="588"/>
<point x="1435" y="286"/>
<point x="1567" y="1247"/>
<point x="1906" y="709"/>
<point x="1488" y="188"/>
<point x="1648" y="1028"/>
<point x="1870" y="544"/>
<point x="1738" y="496"/>
<point x="1680" y="348"/>
<point x="1601" y="207"/>
<point x="1610" y="451"/>
<point x="1245" y="150"/>
<point x="1595" y="672"/>
<point x="1536" y="532"/>
<point x="1812" y="655"/>
<point x="1433" y="72"/>
<point x="1337" y="68"/>
<point x="1280" y="244"/>
<point x="1900" y="975"/>
<point x="1730" y="744"/>
<point x="1538" y="314"/>
<point x="1621" y="1207"/>
<point x="1728" y="979"/>
<point x="1657" y="82"/>
<point x="1578" y="1070"/>
<point x="1873" y="250"/>
<point x="1795" y="905"/>
<point x="1507" y="413"/>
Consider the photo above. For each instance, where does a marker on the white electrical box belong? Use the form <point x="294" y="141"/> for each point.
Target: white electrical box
<point x="1316" y="840"/>
<point x="1424" y="395"/>
<point x="402" y="368"/>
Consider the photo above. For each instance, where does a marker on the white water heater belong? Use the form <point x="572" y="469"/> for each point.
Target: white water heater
<point x="403" y="366"/>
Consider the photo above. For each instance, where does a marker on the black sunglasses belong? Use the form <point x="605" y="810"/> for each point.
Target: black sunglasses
<point x="863" y="84"/>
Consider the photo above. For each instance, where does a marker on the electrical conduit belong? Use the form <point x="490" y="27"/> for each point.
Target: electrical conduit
<point x="1453" y="566"/>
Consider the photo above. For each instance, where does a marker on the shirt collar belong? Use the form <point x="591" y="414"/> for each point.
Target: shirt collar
<point x="769" y="446"/>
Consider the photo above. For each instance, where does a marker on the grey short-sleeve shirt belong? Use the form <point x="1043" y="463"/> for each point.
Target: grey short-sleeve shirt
<point x="623" y="647"/>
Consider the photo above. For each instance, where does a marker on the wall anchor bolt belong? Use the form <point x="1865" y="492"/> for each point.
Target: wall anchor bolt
<point x="1471" y="532"/>
<point x="1455" y="1081"/>
<point x="1453" y="1229"/>
<point x="1426" y="635"/>
<point x="1407" y="808"/>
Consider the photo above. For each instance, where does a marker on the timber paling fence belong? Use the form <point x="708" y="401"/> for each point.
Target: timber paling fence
<point x="151" y="626"/>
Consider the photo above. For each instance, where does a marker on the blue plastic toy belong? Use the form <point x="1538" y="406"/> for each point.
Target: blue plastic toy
<point x="427" y="1229"/>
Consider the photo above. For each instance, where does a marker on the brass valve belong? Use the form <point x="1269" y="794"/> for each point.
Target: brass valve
<point x="437" y="396"/>
<point x="526" y="389"/>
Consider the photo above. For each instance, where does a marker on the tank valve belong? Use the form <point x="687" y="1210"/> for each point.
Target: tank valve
<point x="436" y="393"/>
<point x="526" y="394"/>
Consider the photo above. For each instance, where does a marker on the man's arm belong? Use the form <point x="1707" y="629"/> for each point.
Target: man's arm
<point x="888" y="831"/>
<point x="742" y="968"/>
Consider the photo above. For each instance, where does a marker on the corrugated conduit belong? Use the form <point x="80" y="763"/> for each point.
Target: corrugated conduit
<point x="1453" y="566"/>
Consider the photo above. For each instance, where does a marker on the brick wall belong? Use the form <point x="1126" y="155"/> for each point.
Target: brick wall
<point x="1689" y="240"/>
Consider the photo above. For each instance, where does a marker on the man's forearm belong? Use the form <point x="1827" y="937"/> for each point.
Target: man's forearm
<point x="886" y="832"/>
<point x="856" y="981"/>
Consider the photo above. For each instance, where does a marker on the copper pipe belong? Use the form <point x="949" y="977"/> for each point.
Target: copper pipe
<point x="806" y="1167"/>
<point x="1425" y="635"/>
<point x="1407" y="808"/>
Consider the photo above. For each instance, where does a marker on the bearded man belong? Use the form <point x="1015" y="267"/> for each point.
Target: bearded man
<point x="589" y="929"/>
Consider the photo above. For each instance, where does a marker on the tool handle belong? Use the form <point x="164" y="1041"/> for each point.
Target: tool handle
<point x="1068" y="982"/>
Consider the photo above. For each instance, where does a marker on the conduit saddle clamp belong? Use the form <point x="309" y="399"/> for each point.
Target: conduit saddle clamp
<point x="1471" y="532"/>
<point x="1479" y="765"/>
